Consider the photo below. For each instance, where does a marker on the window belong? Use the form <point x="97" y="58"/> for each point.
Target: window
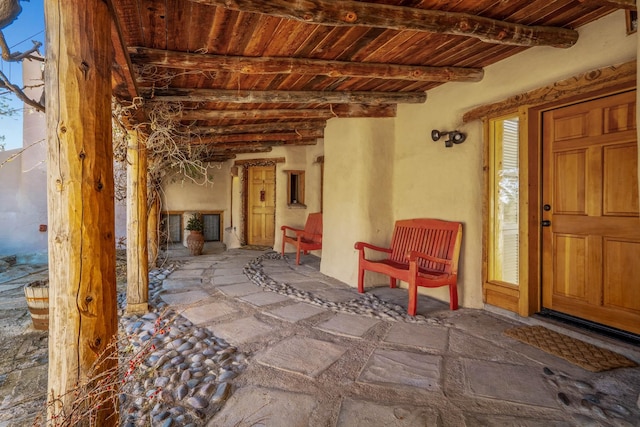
<point x="171" y="228"/>
<point x="632" y="21"/>
<point x="504" y="187"/>
<point x="211" y="230"/>
<point x="295" y="187"/>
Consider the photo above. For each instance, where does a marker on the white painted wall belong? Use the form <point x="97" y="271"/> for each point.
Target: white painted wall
<point x="23" y="197"/>
<point x="23" y="183"/>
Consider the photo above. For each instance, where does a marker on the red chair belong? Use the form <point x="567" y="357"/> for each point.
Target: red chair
<point x="309" y="239"/>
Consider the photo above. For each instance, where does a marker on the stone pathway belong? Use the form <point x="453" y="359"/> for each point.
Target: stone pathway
<point x="260" y="341"/>
<point x="320" y="354"/>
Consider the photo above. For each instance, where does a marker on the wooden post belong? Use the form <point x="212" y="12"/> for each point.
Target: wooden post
<point x="82" y="276"/>
<point x="137" y="254"/>
<point x="153" y="240"/>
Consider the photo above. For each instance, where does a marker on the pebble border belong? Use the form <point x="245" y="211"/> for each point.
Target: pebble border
<point x="366" y="304"/>
<point x="186" y="378"/>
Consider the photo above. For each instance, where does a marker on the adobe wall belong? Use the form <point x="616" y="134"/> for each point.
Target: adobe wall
<point x="434" y="181"/>
<point x="23" y="184"/>
<point x="358" y="195"/>
<point x="225" y="194"/>
<point x="381" y="170"/>
<point x="23" y="196"/>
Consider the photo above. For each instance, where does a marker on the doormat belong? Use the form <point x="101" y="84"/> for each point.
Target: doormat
<point x="256" y="248"/>
<point x="580" y="353"/>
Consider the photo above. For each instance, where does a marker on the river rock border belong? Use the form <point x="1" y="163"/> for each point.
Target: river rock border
<point x="366" y="304"/>
<point x="184" y="377"/>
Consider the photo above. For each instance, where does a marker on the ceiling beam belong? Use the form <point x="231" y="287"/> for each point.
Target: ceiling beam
<point x="278" y="114"/>
<point x="233" y="147"/>
<point x="618" y="4"/>
<point x="282" y="96"/>
<point x="251" y="146"/>
<point x="355" y="13"/>
<point x="258" y="127"/>
<point x="315" y="67"/>
<point x="260" y="137"/>
<point x="123" y="84"/>
<point x="219" y="158"/>
<point x="341" y="110"/>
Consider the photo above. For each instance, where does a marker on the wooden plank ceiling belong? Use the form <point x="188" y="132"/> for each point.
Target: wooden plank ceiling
<point x="244" y="75"/>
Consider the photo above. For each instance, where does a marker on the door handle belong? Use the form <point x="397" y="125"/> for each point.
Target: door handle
<point x="546" y="223"/>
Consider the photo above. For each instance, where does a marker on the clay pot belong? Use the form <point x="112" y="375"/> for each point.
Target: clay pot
<point x="195" y="242"/>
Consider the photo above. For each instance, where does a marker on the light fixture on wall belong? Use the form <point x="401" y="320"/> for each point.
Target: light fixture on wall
<point x="455" y="137"/>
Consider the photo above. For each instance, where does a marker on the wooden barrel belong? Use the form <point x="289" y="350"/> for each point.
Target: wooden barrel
<point x="37" y="294"/>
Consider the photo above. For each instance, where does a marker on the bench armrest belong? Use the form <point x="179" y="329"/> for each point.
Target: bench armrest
<point x="298" y="232"/>
<point x="362" y="245"/>
<point x="295" y="230"/>
<point x="412" y="256"/>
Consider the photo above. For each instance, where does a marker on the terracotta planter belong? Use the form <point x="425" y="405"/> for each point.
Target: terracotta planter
<point x="195" y="242"/>
<point x="37" y="295"/>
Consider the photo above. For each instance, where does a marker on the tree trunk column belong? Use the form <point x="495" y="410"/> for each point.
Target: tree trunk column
<point x="83" y="316"/>
<point x="137" y="262"/>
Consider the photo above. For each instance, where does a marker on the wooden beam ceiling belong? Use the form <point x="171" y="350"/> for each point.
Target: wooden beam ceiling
<point x="323" y="59"/>
<point x="123" y="83"/>
<point x="258" y="127"/>
<point x="260" y="137"/>
<point x="353" y="13"/>
<point x="619" y="4"/>
<point x="315" y="67"/>
<point x="340" y="110"/>
<point x="175" y="94"/>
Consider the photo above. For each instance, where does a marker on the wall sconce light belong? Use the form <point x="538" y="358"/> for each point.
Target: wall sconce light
<point x="455" y="137"/>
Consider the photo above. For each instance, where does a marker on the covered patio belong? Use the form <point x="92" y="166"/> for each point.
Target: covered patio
<point x="317" y="353"/>
<point x="333" y="92"/>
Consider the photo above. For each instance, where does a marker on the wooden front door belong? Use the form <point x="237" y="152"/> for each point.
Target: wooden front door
<point x="591" y="245"/>
<point x="261" y="205"/>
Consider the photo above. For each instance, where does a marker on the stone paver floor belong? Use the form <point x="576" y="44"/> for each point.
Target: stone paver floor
<point x="311" y="365"/>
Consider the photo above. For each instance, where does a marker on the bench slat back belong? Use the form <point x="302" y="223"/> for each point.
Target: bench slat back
<point x="434" y="237"/>
<point x="314" y="226"/>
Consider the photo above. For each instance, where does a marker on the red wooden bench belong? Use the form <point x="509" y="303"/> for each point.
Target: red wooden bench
<point x="423" y="252"/>
<point x="308" y="239"/>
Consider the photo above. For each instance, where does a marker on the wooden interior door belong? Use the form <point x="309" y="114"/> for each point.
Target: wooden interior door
<point x="261" y="205"/>
<point x="591" y="246"/>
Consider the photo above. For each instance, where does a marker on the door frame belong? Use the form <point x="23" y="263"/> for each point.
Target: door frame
<point x="247" y="197"/>
<point x="244" y="189"/>
<point x="531" y="296"/>
<point x="525" y="299"/>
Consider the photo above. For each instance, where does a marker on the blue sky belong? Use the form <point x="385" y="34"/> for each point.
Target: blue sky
<point x="28" y="26"/>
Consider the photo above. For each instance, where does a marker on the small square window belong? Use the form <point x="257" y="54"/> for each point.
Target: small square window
<point x="632" y="21"/>
<point x="295" y="187"/>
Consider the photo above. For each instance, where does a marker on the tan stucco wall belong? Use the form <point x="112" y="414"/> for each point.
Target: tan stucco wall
<point x="357" y="192"/>
<point x="381" y="170"/>
<point x="183" y="195"/>
<point x="434" y="181"/>
<point x="297" y="158"/>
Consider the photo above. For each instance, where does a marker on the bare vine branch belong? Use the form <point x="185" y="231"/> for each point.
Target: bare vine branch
<point x="6" y="84"/>
<point x="9" y="56"/>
